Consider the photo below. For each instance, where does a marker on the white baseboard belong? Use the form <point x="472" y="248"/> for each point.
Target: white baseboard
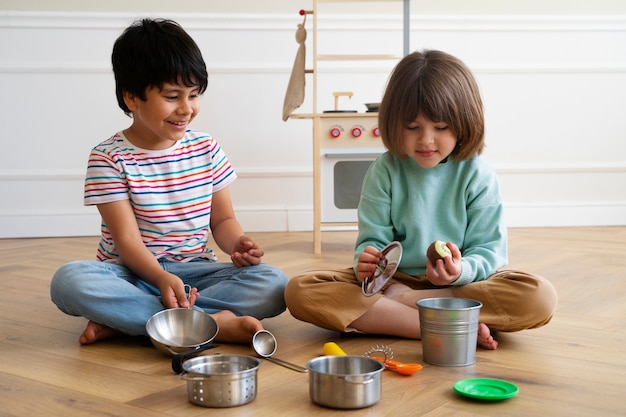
<point x="300" y="219"/>
<point x="566" y="214"/>
<point x="49" y="225"/>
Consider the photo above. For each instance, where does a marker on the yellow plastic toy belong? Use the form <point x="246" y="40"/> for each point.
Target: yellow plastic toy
<point x="332" y="349"/>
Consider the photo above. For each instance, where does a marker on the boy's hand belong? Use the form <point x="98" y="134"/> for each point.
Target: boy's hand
<point x="246" y="252"/>
<point x="367" y="262"/>
<point x="174" y="295"/>
<point x="447" y="270"/>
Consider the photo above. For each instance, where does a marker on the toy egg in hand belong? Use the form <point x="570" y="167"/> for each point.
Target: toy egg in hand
<point x="437" y="250"/>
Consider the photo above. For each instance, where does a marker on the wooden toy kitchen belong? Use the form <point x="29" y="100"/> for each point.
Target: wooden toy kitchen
<point x="345" y="142"/>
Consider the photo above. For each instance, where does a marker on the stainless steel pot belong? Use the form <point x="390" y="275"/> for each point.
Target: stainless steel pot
<point x="221" y="380"/>
<point x="345" y="381"/>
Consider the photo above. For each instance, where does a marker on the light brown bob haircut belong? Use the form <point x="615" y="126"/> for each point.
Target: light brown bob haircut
<point x="442" y="89"/>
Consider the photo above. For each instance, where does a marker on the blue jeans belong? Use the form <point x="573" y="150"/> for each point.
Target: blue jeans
<point x="114" y="296"/>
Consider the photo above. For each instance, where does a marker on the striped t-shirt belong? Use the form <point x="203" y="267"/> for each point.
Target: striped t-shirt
<point x="170" y="191"/>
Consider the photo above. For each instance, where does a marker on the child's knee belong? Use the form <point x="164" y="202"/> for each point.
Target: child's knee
<point x="64" y="275"/>
<point x="546" y="300"/>
<point x="66" y="282"/>
<point x="540" y="303"/>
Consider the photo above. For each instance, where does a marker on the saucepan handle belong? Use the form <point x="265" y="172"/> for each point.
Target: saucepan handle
<point x="179" y="358"/>
<point x="357" y="380"/>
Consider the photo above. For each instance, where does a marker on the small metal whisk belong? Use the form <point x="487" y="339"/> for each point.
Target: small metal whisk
<point x="380" y="350"/>
<point x="384" y="354"/>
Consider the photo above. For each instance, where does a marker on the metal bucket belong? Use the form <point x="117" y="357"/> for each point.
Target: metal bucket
<point x="345" y="381"/>
<point x="221" y="380"/>
<point x="449" y="330"/>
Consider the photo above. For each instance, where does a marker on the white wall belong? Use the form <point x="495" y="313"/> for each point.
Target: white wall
<point x="423" y="7"/>
<point x="553" y="86"/>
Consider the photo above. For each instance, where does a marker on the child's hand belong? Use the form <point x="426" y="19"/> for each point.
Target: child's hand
<point x="174" y="295"/>
<point x="447" y="270"/>
<point x="367" y="262"/>
<point x="246" y="252"/>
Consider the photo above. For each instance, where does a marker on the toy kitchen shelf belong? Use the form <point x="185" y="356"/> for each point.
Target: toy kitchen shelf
<point x="340" y="130"/>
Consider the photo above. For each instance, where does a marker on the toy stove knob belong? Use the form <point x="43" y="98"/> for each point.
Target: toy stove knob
<point x="335" y="132"/>
<point x="356" y="131"/>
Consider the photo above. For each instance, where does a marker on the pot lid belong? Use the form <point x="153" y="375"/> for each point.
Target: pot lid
<point x="387" y="266"/>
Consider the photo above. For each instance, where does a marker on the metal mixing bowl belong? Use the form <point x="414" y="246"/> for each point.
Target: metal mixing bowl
<point x="179" y="330"/>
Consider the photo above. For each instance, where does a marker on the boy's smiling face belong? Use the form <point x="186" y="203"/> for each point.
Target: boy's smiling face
<point x="163" y="117"/>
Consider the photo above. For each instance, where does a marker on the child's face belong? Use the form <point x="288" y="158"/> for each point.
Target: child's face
<point x="428" y="142"/>
<point x="165" y="115"/>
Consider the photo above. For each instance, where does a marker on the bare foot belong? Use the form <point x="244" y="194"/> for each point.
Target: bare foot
<point x="95" y="331"/>
<point x="396" y="291"/>
<point x="235" y="329"/>
<point x="485" y="339"/>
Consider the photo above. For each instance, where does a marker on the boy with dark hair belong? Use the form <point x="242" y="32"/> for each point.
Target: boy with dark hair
<point x="161" y="188"/>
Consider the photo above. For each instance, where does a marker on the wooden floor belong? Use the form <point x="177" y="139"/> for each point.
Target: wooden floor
<point x="575" y="366"/>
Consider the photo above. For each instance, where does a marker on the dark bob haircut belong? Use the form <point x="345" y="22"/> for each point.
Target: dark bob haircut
<point x="442" y="89"/>
<point x="152" y="52"/>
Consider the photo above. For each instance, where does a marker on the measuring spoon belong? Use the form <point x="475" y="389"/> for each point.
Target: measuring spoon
<point x="399" y="367"/>
<point x="264" y="344"/>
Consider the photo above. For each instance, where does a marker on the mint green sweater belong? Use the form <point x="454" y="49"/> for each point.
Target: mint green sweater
<point x="456" y="201"/>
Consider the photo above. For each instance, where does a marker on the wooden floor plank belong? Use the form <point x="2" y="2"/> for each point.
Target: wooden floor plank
<point x="24" y="396"/>
<point x="107" y="381"/>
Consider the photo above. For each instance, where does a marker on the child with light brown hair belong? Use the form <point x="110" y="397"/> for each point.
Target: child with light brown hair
<point x="431" y="184"/>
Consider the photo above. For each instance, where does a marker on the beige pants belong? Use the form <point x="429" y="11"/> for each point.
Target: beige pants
<point x="512" y="300"/>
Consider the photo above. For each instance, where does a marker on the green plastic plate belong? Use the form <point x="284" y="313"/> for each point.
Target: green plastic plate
<point x="486" y="388"/>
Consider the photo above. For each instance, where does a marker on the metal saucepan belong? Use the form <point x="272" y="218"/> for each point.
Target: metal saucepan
<point x="181" y="333"/>
<point x="264" y="344"/>
<point x="345" y="381"/>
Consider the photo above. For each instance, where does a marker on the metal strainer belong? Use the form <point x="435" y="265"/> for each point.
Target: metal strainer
<point x="221" y="380"/>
